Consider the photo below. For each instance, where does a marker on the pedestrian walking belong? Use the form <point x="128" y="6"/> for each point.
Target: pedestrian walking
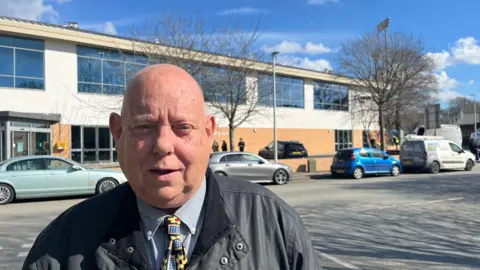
<point x="173" y="212"/>
<point x="224" y="146"/>
<point x="241" y="145"/>
<point x="215" y="146"/>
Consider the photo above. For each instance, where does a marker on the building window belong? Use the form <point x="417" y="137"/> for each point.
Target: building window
<point x="223" y="85"/>
<point x="343" y="139"/>
<point x="106" y="71"/>
<point x="22" y="63"/>
<point x="92" y="144"/>
<point x="290" y="91"/>
<point x="329" y="96"/>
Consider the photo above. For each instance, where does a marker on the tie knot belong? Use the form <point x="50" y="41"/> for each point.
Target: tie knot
<point x="172" y="226"/>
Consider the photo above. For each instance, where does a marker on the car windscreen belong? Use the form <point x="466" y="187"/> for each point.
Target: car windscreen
<point x="343" y="155"/>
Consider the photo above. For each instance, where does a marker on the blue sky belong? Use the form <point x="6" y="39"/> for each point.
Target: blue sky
<point x="307" y="32"/>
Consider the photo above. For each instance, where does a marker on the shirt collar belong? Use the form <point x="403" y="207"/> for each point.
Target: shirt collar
<point x="189" y="213"/>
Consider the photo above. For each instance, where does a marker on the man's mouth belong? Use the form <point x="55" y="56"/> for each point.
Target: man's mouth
<point x="164" y="174"/>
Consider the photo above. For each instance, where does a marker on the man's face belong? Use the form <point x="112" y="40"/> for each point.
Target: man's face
<point x="164" y="138"/>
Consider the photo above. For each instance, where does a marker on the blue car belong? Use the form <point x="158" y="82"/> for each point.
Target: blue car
<point x="358" y="162"/>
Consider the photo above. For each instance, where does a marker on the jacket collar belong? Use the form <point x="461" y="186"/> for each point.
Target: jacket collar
<point x="125" y="240"/>
<point x="216" y="222"/>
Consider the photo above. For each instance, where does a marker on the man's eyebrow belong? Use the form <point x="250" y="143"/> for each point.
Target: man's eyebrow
<point x="143" y="118"/>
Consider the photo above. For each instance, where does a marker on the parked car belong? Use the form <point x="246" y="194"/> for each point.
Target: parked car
<point x="50" y="176"/>
<point x="358" y="162"/>
<point x="285" y="149"/>
<point x="434" y="153"/>
<point x="250" y="167"/>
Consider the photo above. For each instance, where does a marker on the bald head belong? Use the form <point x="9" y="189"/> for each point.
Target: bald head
<point x="163" y="80"/>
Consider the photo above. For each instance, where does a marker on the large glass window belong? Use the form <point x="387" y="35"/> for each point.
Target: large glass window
<point x="97" y="145"/>
<point x="106" y="71"/>
<point x="329" y="96"/>
<point x="22" y="63"/>
<point x="222" y="85"/>
<point x="343" y="139"/>
<point x="290" y="91"/>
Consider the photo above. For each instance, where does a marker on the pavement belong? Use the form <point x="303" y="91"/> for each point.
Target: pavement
<point x="415" y="221"/>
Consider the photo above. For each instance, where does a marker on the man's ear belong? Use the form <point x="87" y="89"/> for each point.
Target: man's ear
<point x="210" y="126"/>
<point x="115" y="123"/>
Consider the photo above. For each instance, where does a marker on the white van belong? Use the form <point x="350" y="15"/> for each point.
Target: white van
<point x="434" y="153"/>
<point x="448" y="132"/>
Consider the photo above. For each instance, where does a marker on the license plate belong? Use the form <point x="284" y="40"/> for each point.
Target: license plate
<point x="408" y="162"/>
<point x="297" y="153"/>
<point x="340" y="171"/>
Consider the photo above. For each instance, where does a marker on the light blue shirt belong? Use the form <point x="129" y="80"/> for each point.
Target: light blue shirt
<point x="152" y="225"/>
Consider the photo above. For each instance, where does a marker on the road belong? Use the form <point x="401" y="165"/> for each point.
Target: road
<point x="417" y="221"/>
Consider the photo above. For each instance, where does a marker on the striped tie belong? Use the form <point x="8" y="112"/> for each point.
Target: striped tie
<point x="175" y="256"/>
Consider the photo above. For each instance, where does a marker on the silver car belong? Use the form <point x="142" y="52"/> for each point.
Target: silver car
<point x="250" y="167"/>
<point x="50" y="176"/>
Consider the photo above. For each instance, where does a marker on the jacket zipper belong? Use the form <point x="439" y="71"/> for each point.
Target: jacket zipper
<point x="210" y="248"/>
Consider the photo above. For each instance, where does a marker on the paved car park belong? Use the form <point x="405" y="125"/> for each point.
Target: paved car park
<point x="414" y="221"/>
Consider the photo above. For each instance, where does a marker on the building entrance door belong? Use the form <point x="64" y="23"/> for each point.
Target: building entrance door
<point x="20" y="144"/>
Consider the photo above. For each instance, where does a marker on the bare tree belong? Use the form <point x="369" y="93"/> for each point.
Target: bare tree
<point x="365" y="112"/>
<point x="224" y="61"/>
<point x="394" y="69"/>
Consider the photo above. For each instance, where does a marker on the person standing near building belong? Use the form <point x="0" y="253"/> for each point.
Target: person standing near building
<point x="241" y="145"/>
<point x="173" y="212"/>
<point x="224" y="146"/>
<point x="215" y="146"/>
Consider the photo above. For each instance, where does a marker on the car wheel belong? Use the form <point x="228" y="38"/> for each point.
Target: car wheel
<point x="106" y="184"/>
<point x="358" y="173"/>
<point x="220" y="174"/>
<point x="6" y="194"/>
<point x="280" y="177"/>
<point x="435" y="167"/>
<point x="395" y="170"/>
<point x="470" y="165"/>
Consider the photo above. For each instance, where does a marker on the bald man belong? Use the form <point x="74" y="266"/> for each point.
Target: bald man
<point x="173" y="213"/>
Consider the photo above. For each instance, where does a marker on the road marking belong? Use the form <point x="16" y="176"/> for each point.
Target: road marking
<point x="22" y="254"/>
<point x="337" y="260"/>
<point x="27" y="245"/>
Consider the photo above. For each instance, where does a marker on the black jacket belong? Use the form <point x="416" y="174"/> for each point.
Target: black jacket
<point x="245" y="226"/>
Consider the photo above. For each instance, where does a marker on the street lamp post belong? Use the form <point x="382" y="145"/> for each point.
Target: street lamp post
<point x="275" y="147"/>
<point x="475" y="116"/>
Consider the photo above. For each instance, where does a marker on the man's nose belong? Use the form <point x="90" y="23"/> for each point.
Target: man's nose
<point x="163" y="142"/>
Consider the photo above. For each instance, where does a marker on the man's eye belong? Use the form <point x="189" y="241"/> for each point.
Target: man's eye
<point x="183" y="129"/>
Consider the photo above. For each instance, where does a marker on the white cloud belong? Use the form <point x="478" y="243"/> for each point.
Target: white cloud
<point x="243" y="11"/>
<point x="34" y="10"/>
<point x="441" y="59"/>
<point x="471" y="82"/>
<point x="466" y="50"/>
<point x="446" y="86"/>
<point x="307" y="63"/>
<point x="321" y="2"/>
<point x="109" y="28"/>
<point x="291" y="47"/>
<point x="445" y="82"/>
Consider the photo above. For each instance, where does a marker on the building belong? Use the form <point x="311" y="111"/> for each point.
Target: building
<point x="58" y="85"/>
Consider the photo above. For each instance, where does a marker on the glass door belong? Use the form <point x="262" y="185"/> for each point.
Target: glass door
<point x="20" y="143"/>
<point x="40" y="143"/>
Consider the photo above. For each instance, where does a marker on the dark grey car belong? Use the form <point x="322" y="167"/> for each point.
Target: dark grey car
<point x="250" y="167"/>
